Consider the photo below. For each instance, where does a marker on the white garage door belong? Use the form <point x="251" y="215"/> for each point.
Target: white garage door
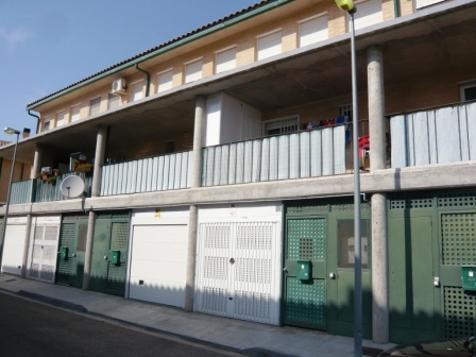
<point x="14" y="248"/>
<point x="238" y="263"/>
<point x="158" y="264"/>
<point x="43" y="248"/>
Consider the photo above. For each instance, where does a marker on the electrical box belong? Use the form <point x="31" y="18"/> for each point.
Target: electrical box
<point x="468" y="277"/>
<point x="64" y="253"/>
<point x="116" y="257"/>
<point x="304" y="270"/>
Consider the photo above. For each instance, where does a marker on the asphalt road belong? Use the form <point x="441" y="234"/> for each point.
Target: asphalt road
<point x="30" y="329"/>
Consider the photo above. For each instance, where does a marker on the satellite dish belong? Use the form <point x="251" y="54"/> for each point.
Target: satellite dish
<point x="72" y="186"/>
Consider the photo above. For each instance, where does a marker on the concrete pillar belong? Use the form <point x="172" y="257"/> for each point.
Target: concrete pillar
<point x="376" y="103"/>
<point x="191" y="255"/>
<point x="101" y="138"/>
<point x="37" y="158"/>
<point x="200" y="112"/>
<point x="26" y="247"/>
<point x="376" y="98"/>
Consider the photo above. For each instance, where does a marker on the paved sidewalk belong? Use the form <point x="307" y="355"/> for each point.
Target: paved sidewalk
<point x="251" y="338"/>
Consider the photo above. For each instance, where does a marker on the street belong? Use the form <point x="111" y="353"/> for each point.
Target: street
<point x="32" y="329"/>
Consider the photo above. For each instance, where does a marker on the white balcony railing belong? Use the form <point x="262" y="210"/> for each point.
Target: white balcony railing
<point x="435" y="136"/>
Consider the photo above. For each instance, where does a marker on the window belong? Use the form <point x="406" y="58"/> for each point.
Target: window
<point x="468" y="92"/>
<point x="47" y="123"/>
<point x="269" y="44"/>
<point x="281" y="126"/>
<point x="422" y="3"/>
<point x="137" y="91"/>
<point x="193" y="70"/>
<point x="313" y="30"/>
<point x="368" y="13"/>
<point x="345" y="110"/>
<point x="225" y="60"/>
<point x="94" y="106"/>
<point x="113" y="101"/>
<point x="76" y="113"/>
<point x="60" y="119"/>
<point x="164" y="81"/>
<point x="345" y="242"/>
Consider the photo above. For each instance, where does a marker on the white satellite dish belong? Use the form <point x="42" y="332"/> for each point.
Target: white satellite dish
<point x="72" y="186"/>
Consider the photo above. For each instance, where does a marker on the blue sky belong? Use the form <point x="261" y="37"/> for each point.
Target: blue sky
<point x="46" y="45"/>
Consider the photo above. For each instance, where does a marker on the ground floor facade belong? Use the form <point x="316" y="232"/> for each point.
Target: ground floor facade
<point x="278" y="262"/>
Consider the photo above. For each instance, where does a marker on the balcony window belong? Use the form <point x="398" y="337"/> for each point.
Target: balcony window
<point x="269" y="44"/>
<point x="113" y="102"/>
<point x="368" y="13"/>
<point x="468" y="92"/>
<point x="94" y="106"/>
<point x="76" y="113"/>
<point x="47" y="123"/>
<point x="281" y="126"/>
<point x="137" y="91"/>
<point x="225" y="60"/>
<point x="165" y="80"/>
<point x="193" y="70"/>
<point x="60" y="119"/>
<point x="313" y="30"/>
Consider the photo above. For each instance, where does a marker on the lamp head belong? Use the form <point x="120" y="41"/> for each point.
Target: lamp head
<point x="346" y="5"/>
<point x="11" y="131"/>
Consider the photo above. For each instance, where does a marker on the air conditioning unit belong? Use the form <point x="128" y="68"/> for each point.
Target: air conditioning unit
<point x="119" y="86"/>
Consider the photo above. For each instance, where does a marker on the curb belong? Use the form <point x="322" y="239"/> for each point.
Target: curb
<point x="52" y="301"/>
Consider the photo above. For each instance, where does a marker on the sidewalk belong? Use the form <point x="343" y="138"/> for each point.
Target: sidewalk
<point x="250" y="338"/>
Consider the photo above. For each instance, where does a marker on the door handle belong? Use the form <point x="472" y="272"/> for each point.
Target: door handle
<point x="285" y="269"/>
<point x="232" y="260"/>
<point x="332" y="275"/>
<point x="106" y="257"/>
<point x="436" y="281"/>
<point x="73" y="255"/>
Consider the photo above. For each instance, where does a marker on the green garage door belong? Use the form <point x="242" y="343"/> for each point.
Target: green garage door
<point x="110" y="250"/>
<point x="320" y="234"/>
<point x="430" y="237"/>
<point x="72" y="243"/>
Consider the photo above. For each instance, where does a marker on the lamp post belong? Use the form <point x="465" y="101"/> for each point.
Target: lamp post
<point x="9" y="131"/>
<point x="349" y="7"/>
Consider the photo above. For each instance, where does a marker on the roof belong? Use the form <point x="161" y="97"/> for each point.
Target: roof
<point x="204" y="30"/>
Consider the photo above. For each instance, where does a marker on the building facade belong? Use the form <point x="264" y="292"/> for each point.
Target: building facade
<point x="216" y="173"/>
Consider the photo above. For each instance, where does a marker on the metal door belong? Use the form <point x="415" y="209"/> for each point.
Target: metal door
<point x="109" y="256"/>
<point x="43" y="252"/>
<point x="305" y="300"/>
<point x="72" y="243"/>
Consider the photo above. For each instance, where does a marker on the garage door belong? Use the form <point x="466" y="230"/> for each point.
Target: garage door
<point x="239" y="263"/>
<point x="43" y="249"/>
<point x="14" y="248"/>
<point x="158" y="264"/>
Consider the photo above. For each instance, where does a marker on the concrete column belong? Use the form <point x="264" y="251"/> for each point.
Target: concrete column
<point x="37" y="158"/>
<point x="191" y="255"/>
<point x="376" y="98"/>
<point x="88" y="250"/>
<point x="26" y="247"/>
<point x="200" y="112"/>
<point x="101" y="138"/>
<point x="376" y="103"/>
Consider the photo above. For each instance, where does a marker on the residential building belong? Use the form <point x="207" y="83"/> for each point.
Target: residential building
<point x="217" y="176"/>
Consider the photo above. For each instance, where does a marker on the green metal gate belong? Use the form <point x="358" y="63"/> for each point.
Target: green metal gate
<point x="430" y="237"/>
<point x="322" y="233"/>
<point x="72" y="243"/>
<point x="110" y="250"/>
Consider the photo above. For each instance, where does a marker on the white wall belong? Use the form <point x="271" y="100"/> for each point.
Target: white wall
<point x="229" y="119"/>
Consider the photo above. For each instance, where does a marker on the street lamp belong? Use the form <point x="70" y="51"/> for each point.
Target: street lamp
<point x="9" y="131"/>
<point x="349" y="7"/>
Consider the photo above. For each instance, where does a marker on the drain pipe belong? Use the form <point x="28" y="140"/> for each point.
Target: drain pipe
<point x="37" y="119"/>
<point x="147" y="76"/>
<point x="396" y="8"/>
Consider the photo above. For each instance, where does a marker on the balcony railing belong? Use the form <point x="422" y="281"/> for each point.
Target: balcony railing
<point x="21" y="192"/>
<point x="306" y="154"/>
<point x="50" y="191"/>
<point x="167" y="172"/>
<point x="435" y="136"/>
